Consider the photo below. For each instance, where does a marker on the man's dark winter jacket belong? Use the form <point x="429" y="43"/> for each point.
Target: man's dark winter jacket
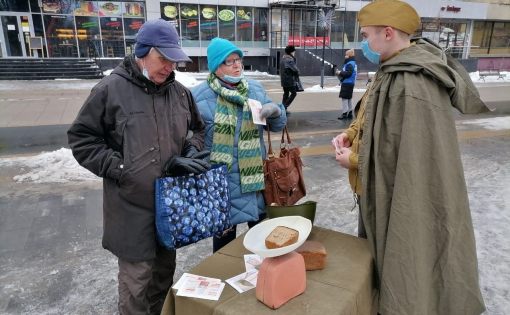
<point x="125" y="132"/>
<point x="289" y="72"/>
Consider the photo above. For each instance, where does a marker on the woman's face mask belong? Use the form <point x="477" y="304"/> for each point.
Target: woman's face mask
<point x="232" y="79"/>
<point x="371" y="55"/>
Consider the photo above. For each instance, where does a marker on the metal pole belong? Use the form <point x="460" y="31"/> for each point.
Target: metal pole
<point x="343" y="26"/>
<point x="323" y="50"/>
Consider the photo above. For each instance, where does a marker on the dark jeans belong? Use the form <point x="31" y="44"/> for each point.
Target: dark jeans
<point x="287" y="99"/>
<point x="230" y="235"/>
<point x="143" y="286"/>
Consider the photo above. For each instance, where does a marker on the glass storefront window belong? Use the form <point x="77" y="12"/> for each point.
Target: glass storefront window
<point x="131" y="27"/>
<point x="113" y="42"/>
<point x="226" y="17"/>
<point x="208" y="22"/>
<point x="38" y="31"/>
<point x="87" y="29"/>
<point x="340" y="37"/>
<point x="309" y="23"/>
<point x="244" y="25"/>
<point x="500" y="43"/>
<point x="295" y="23"/>
<point x="490" y="38"/>
<point x="189" y="24"/>
<point x="14" y="5"/>
<point x="276" y="28"/>
<point x="60" y="35"/>
<point x="260" y="24"/>
<point x="34" y="6"/>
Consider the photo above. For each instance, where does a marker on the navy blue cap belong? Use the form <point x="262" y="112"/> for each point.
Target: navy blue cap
<point x="163" y="36"/>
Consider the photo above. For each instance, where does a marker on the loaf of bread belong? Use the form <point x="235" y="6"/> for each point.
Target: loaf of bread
<point x="281" y="236"/>
<point x="314" y="254"/>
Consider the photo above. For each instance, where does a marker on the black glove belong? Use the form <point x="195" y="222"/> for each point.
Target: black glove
<point x="179" y="166"/>
<point x="189" y="151"/>
<point x="204" y="155"/>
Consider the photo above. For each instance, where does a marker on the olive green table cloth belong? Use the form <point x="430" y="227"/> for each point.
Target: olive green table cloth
<point x="344" y="286"/>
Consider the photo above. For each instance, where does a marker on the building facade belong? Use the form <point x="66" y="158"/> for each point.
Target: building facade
<point x="469" y="30"/>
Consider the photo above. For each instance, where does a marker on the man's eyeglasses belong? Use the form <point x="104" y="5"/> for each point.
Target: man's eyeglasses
<point x="230" y="62"/>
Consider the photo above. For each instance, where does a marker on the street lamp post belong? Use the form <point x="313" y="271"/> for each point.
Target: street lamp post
<point x="323" y="50"/>
<point x="325" y="19"/>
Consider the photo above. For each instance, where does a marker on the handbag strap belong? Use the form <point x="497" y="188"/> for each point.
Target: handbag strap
<point x="282" y="143"/>
<point x="285" y="131"/>
<point x="270" y="151"/>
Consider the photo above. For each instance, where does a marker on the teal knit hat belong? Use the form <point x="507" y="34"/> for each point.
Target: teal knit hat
<point x="218" y="51"/>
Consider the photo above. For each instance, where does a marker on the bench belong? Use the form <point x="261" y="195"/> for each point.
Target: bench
<point x="491" y="73"/>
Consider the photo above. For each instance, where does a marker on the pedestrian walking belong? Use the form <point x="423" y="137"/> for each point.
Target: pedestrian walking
<point x="135" y="125"/>
<point x="348" y="78"/>
<point x="414" y="202"/>
<point x="289" y="76"/>
<point x="231" y="135"/>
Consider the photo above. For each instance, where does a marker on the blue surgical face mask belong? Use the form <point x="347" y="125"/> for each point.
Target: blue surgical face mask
<point x="145" y="73"/>
<point x="231" y="79"/>
<point x="372" y="56"/>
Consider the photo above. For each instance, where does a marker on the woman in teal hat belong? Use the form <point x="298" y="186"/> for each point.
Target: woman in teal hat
<point x="232" y="136"/>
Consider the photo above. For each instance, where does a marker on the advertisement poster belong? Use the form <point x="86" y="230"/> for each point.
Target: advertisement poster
<point x="109" y="8"/>
<point x="133" y="9"/>
<point x="87" y="8"/>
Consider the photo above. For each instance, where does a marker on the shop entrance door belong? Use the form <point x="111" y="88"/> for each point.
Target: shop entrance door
<point x="13" y="43"/>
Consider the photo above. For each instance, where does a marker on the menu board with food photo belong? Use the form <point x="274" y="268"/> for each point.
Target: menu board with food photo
<point x="209" y="13"/>
<point x="87" y="8"/>
<point x="51" y="6"/>
<point x="170" y="11"/>
<point x="226" y="15"/>
<point x="188" y="12"/>
<point x="133" y="9"/>
<point x="244" y="14"/>
<point x="109" y="8"/>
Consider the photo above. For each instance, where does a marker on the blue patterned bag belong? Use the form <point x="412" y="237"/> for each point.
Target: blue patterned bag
<point x="191" y="208"/>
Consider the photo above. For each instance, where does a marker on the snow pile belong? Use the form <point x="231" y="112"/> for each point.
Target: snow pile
<point x="49" y="167"/>
<point x="328" y="89"/>
<point x="186" y="79"/>
<point x="493" y="123"/>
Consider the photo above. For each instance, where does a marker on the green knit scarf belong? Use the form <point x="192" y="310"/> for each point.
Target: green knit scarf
<point x="249" y="153"/>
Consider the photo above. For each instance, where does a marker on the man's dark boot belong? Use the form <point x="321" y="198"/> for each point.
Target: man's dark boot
<point x="349" y="114"/>
<point x="343" y="116"/>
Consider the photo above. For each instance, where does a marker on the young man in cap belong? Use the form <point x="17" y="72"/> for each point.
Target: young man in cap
<point x="414" y="202"/>
<point x="289" y="75"/>
<point x="132" y="129"/>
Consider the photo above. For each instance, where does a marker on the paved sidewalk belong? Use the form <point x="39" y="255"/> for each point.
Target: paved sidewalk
<point x="35" y="115"/>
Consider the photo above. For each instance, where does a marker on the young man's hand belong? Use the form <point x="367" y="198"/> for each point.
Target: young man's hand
<point x="341" y="141"/>
<point x="342" y="157"/>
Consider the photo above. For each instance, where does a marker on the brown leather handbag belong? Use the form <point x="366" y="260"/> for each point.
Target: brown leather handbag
<point x="283" y="174"/>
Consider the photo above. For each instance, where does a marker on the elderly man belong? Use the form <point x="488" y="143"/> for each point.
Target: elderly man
<point x="414" y="202"/>
<point x="135" y="125"/>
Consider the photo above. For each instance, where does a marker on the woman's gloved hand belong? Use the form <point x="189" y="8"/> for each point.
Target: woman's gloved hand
<point x="180" y="165"/>
<point x="270" y="110"/>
